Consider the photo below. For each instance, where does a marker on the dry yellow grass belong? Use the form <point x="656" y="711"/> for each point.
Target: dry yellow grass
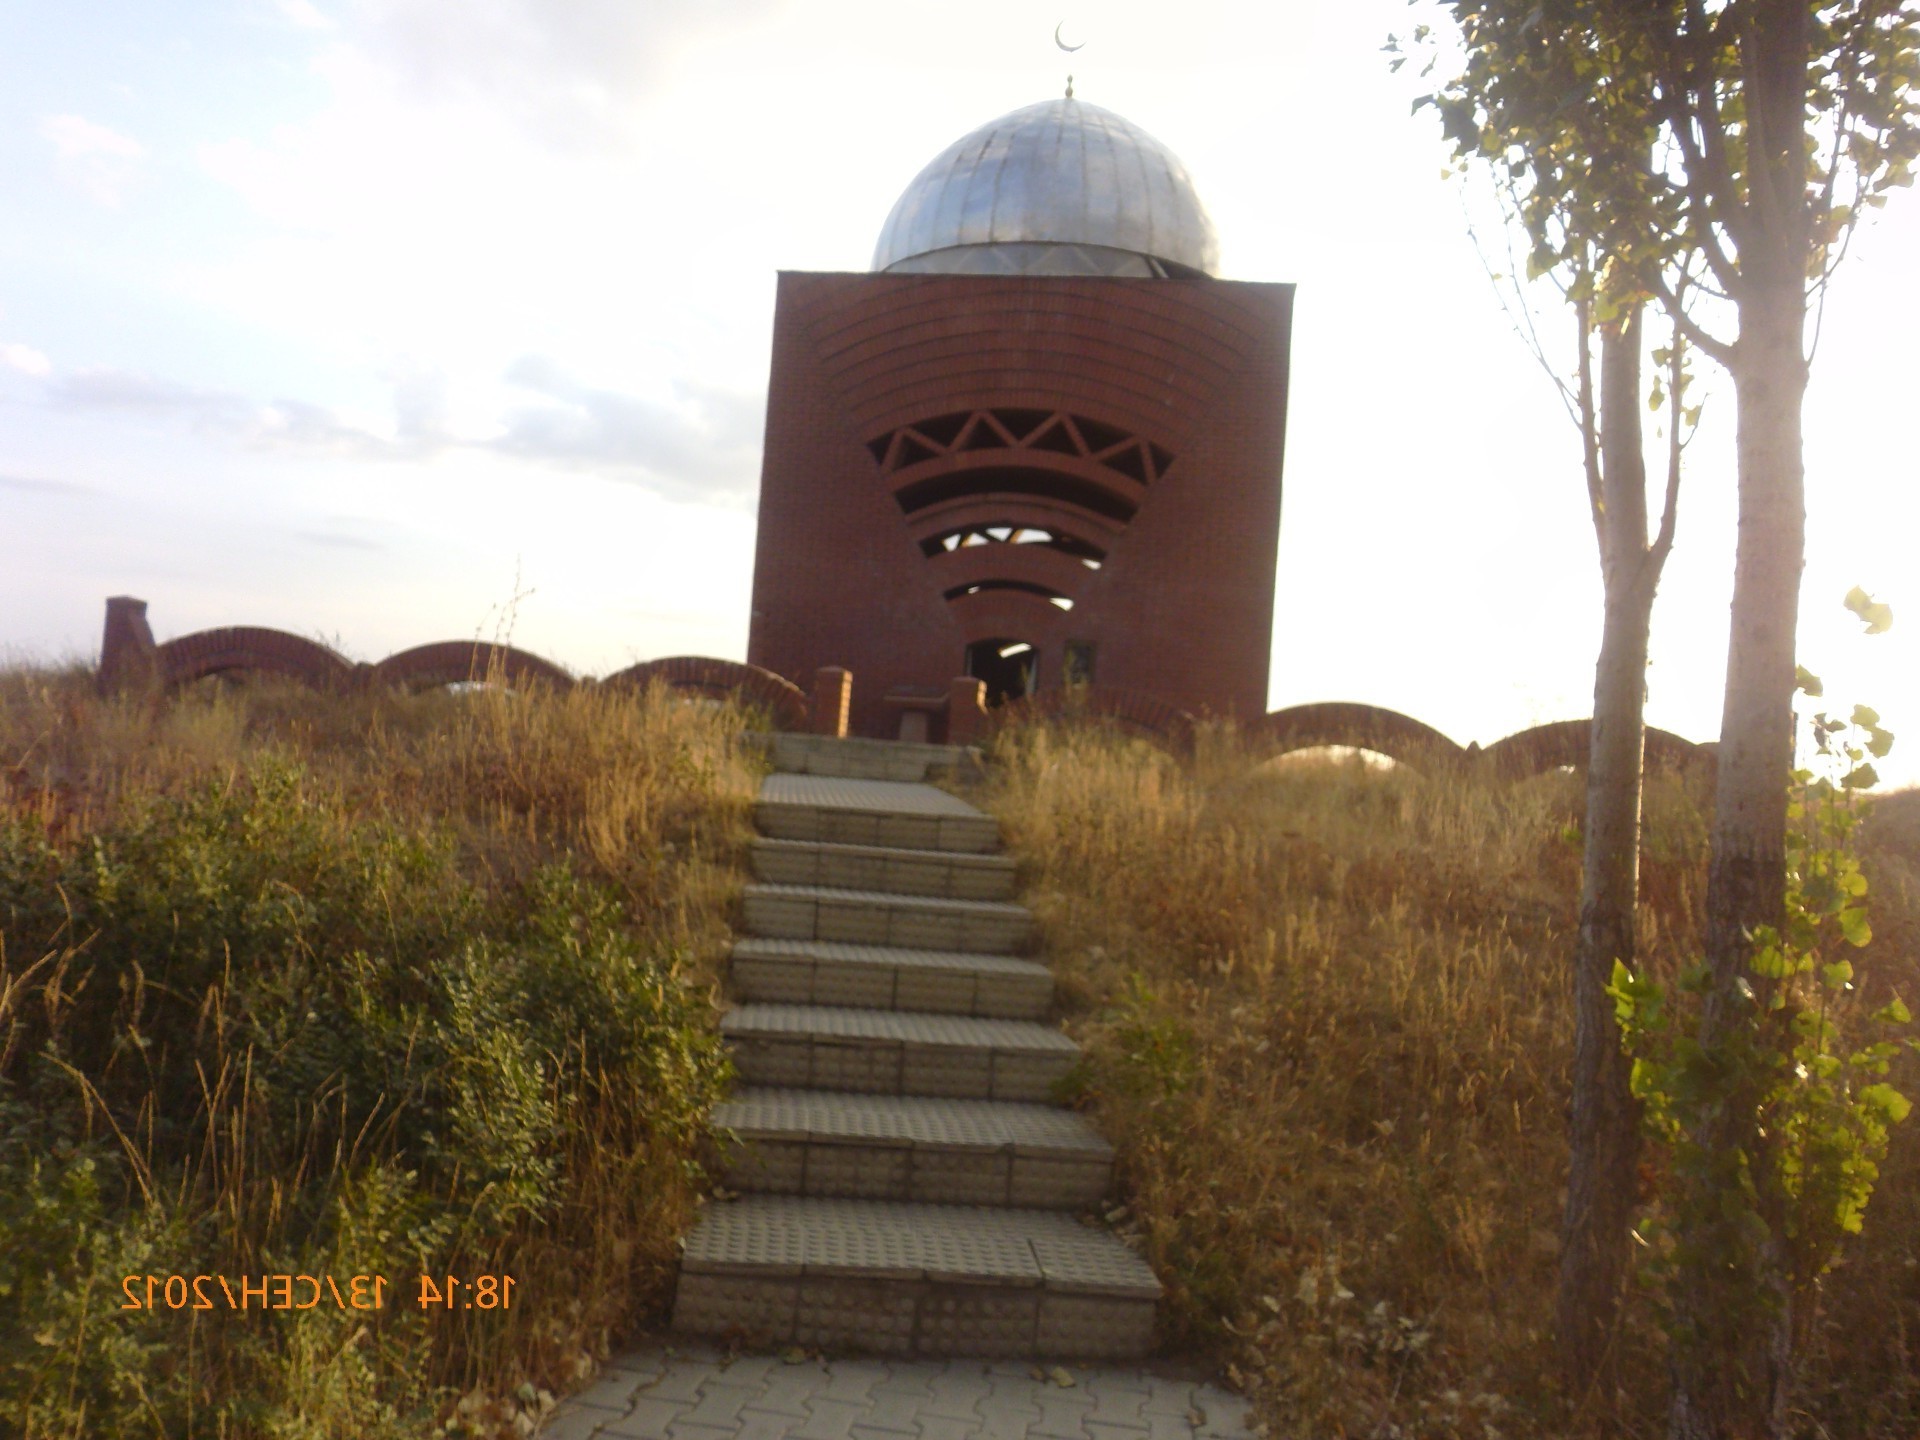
<point x="644" y="798"/>
<point x="1324" y="1005"/>
<point x="1328" y="1028"/>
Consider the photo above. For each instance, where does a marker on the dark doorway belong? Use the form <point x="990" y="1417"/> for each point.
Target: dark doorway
<point x="1006" y="665"/>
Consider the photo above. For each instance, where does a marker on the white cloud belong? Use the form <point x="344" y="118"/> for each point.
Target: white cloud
<point x="568" y="73"/>
<point x="25" y="359"/>
<point x="302" y="15"/>
<point x="95" y="160"/>
<point x="701" y="442"/>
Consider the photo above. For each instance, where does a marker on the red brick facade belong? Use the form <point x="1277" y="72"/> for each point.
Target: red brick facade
<point x="1139" y="423"/>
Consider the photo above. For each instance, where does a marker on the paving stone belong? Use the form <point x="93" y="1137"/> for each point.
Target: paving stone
<point x="788" y="1389"/>
<point x="1114" y="1405"/>
<point x="1226" y="1415"/>
<point x="612" y="1390"/>
<point x="682" y="1381"/>
<point x="853" y="1382"/>
<point x="573" y="1424"/>
<point x="1007" y="1415"/>
<point x="766" y="1425"/>
<point x="720" y="1405"/>
<point x="946" y="1427"/>
<point x="750" y="1372"/>
<point x="647" y="1420"/>
<point x="894" y="1413"/>
<point x="911" y="1377"/>
<point x="830" y="1420"/>
<point x="1168" y="1397"/>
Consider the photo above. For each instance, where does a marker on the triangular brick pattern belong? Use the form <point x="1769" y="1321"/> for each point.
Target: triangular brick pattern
<point x="906" y="1181"/>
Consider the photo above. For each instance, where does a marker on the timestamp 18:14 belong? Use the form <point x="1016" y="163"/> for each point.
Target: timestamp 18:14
<point x="450" y="1292"/>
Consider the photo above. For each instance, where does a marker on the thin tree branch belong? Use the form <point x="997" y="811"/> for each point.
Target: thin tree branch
<point x="1720" y="350"/>
<point x="1589" y="431"/>
<point x="1670" y="507"/>
<point x="1712" y="187"/>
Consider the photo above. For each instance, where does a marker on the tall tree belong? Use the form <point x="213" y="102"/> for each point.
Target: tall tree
<point x="1775" y="122"/>
<point x="1510" y="111"/>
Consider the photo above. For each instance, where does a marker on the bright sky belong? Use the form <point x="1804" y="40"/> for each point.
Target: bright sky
<point x="340" y="315"/>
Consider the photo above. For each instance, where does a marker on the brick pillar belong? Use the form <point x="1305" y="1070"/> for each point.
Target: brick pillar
<point x="966" y="710"/>
<point x="832" y="697"/>
<point x="129" y="662"/>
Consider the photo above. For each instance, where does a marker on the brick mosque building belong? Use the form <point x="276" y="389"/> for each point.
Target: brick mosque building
<point x="1039" y="442"/>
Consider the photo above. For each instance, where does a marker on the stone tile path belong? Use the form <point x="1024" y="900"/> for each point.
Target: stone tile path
<point x="698" y="1393"/>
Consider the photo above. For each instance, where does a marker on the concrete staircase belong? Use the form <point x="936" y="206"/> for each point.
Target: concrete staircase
<point x="907" y="1187"/>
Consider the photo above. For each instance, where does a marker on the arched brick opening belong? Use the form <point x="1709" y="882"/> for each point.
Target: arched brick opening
<point x="1365" y="727"/>
<point x="250" y="648"/>
<point x="455" y="662"/>
<point x="1562" y="743"/>
<point x="783" y="700"/>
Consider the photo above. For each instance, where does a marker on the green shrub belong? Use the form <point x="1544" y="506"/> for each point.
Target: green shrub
<point x="254" y="1027"/>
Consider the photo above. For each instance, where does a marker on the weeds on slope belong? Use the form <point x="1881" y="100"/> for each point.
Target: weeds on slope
<point x="338" y="986"/>
<point x="1328" y="1028"/>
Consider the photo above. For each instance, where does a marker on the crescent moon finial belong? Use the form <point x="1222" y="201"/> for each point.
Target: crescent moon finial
<point x="1063" y="44"/>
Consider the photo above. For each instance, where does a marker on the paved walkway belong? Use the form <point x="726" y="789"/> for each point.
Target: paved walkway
<point x="695" y="1393"/>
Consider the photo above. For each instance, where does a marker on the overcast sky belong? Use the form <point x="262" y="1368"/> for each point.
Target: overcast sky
<point x="349" y="316"/>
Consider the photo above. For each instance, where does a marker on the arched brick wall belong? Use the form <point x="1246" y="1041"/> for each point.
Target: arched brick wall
<point x="1567" y="742"/>
<point x="1365" y="727"/>
<point x="250" y="647"/>
<point x="453" y="662"/>
<point x="723" y="679"/>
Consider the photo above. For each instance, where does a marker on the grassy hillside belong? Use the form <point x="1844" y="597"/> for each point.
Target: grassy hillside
<point x="1329" y="1029"/>
<point x="335" y="987"/>
<point x="391" y="985"/>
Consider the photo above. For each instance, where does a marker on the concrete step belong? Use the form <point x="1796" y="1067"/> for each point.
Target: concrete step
<point x="873" y="917"/>
<point x="890" y="977"/>
<point x="904" y="1279"/>
<point x="940" y="873"/>
<point x="857" y="759"/>
<point x="871" y="812"/>
<point x="896" y="1052"/>
<point x="901" y="1147"/>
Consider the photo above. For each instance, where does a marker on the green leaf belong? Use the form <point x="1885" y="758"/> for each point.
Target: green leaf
<point x="1861" y="777"/>
<point x="1879" y="742"/>
<point x="1837" y="973"/>
<point x="1805" y="681"/>
<point x="1865" y="716"/>
<point x="1894" y="1012"/>
<point x="1877" y="617"/>
<point x="1888" y="1101"/>
<point x="1853" y="925"/>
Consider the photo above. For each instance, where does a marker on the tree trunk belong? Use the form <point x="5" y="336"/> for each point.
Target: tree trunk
<point x="1733" y="1367"/>
<point x="1732" y="1373"/>
<point x="1604" y="1129"/>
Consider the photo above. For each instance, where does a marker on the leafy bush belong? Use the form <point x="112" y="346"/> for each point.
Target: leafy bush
<point x="258" y="1018"/>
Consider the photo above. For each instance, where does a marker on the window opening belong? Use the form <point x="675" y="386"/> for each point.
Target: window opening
<point x="1007" y="665"/>
<point x="1076" y="662"/>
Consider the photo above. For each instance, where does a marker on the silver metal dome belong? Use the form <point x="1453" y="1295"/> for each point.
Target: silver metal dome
<point x="1062" y="187"/>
